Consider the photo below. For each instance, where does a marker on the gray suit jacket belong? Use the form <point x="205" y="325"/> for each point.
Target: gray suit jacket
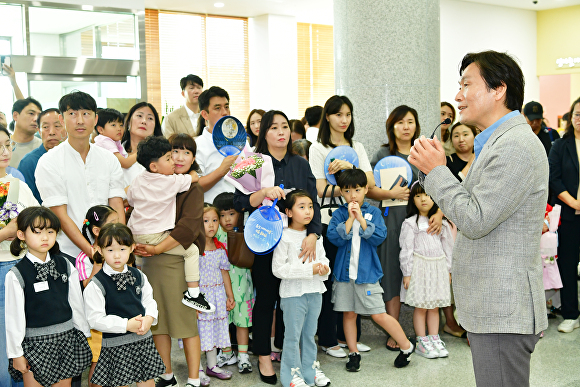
<point x="178" y="122"/>
<point x="499" y="209"/>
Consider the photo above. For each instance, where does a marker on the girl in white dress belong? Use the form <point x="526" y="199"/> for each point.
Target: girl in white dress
<point x="426" y="266"/>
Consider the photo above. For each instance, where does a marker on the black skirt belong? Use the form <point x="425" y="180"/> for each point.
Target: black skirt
<point x="129" y="363"/>
<point x="55" y="357"/>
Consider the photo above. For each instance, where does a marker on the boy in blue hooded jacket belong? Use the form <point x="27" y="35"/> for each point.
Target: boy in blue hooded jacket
<point x="357" y="228"/>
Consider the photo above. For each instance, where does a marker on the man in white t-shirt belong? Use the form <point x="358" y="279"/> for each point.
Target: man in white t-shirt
<point x="214" y="104"/>
<point x="313" y="117"/>
<point x="24" y="113"/>
<point x="76" y="175"/>
<point x="184" y="119"/>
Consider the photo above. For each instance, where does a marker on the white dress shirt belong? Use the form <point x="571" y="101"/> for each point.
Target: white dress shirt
<point x="14" y="308"/>
<point x="193" y="117"/>
<point x="209" y="159"/>
<point x="312" y="134"/>
<point x="95" y="305"/>
<point x="297" y="277"/>
<point x="63" y="178"/>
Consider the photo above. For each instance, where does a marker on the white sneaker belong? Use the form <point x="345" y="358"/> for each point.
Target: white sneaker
<point x="244" y="365"/>
<point x="226" y="359"/>
<point x="439" y="345"/>
<point x="338" y="352"/>
<point x="320" y="380"/>
<point x="568" y="326"/>
<point x="360" y="347"/>
<point x="425" y="348"/>
<point x="297" y="380"/>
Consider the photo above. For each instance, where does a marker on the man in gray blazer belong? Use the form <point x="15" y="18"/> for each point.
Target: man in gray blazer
<point x="499" y="210"/>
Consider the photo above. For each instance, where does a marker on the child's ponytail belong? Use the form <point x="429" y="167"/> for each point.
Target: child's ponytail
<point x="96" y="217"/>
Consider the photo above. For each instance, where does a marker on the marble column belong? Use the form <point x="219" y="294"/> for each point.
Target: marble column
<point x="386" y="55"/>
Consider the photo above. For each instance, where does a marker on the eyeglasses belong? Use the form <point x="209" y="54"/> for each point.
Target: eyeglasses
<point x="7" y="148"/>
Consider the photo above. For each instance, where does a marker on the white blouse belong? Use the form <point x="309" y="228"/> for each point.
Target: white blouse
<point x="414" y="239"/>
<point x="297" y="277"/>
<point x="14" y="308"/>
<point x="95" y="306"/>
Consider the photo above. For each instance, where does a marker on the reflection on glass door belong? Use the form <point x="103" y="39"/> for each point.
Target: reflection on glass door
<point x="116" y="95"/>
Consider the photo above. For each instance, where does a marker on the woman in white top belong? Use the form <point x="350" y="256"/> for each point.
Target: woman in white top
<point x="22" y="197"/>
<point x="142" y="121"/>
<point x="336" y="129"/>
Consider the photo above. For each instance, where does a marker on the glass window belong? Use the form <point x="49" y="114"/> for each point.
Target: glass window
<point x="73" y="33"/>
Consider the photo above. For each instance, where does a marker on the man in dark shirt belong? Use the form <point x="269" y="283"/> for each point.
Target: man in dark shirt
<point x="534" y="114"/>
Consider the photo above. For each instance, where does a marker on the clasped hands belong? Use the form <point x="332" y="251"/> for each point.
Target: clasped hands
<point x="139" y="324"/>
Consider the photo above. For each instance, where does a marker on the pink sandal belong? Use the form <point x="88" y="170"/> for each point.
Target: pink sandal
<point x="275" y="356"/>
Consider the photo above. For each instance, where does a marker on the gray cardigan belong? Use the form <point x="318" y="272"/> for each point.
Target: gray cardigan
<point x="499" y="208"/>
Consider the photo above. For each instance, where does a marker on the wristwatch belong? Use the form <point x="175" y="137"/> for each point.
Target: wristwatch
<point x="318" y="236"/>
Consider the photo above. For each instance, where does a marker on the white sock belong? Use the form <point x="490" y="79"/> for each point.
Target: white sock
<point x="193" y="292"/>
<point x="211" y="357"/>
<point x="408" y="350"/>
<point x="194" y="382"/>
<point x="167" y="376"/>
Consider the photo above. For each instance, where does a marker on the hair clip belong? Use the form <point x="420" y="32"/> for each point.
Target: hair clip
<point x="412" y="185"/>
<point x="86" y="221"/>
<point x="96" y="216"/>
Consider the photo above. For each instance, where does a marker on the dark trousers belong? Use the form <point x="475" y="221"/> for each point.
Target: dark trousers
<point x="502" y="359"/>
<point x="267" y="294"/>
<point x="330" y="328"/>
<point x="568" y="250"/>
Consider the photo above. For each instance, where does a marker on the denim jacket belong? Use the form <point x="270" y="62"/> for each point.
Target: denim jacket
<point x="369" y="265"/>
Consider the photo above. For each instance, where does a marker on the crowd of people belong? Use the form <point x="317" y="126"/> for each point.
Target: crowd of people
<point x="114" y="238"/>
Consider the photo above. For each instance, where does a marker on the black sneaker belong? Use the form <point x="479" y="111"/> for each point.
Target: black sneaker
<point x="197" y="303"/>
<point x="353" y="364"/>
<point x="160" y="382"/>
<point x="402" y="359"/>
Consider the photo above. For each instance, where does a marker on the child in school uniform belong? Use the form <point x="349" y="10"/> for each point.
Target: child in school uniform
<point x="119" y="302"/>
<point x="45" y="321"/>
<point x="242" y="288"/>
<point x="357" y="228"/>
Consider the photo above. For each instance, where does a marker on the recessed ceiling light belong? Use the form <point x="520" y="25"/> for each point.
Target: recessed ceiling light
<point x="218" y="5"/>
<point x="87" y="7"/>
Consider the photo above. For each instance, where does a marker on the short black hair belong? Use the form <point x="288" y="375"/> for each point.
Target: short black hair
<point x="31" y="218"/>
<point x="45" y="112"/>
<point x="352" y="178"/>
<point x="224" y="201"/>
<point x="206" y="95"/>
<point x="109" y="115"/>
<point x="77" y="100"/>
<point x="496" y="69"/>
<point x="190" y="79"/>
<point x="313" y="115"/>
<point x="114" y="232"/>
<point x="20" y="104"/>
<point x="151" y="149"/>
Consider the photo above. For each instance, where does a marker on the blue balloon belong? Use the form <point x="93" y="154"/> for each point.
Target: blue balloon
<point x="343" y="152"/>
<point x="229" y="136"/>
<point x="392" y="162"/>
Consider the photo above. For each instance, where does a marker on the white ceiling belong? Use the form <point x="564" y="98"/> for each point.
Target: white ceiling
<point x="314" y="11"/>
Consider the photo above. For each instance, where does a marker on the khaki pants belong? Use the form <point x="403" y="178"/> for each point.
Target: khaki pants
<point x="190" y="255"/>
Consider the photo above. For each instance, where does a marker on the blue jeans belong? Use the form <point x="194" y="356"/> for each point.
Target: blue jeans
<point x="5" y="379"/>
<point x="300" y="320"/>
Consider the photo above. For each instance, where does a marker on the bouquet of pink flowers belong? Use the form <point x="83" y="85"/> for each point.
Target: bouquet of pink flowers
<point x="251" y="172"/>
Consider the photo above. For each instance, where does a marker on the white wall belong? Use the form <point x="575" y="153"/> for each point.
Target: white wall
<point x="45" y="44"/>
<point x="272" y="44"/>
<point x="471" y="27"/>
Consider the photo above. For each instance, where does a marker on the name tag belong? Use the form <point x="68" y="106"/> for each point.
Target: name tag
<point x="368" y="216"/>
<point x="40" y="286"/>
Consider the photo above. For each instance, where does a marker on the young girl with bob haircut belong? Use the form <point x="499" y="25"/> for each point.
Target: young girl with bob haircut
<point x="119" y="302"/>
<point x="300" y="295"/>
<point x="426" y="266"/>
<point x="45" y="321"/>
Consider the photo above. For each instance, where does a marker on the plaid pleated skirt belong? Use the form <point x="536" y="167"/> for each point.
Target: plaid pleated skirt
<point x="124" y="364"/>
<point x="55" y="356"/>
